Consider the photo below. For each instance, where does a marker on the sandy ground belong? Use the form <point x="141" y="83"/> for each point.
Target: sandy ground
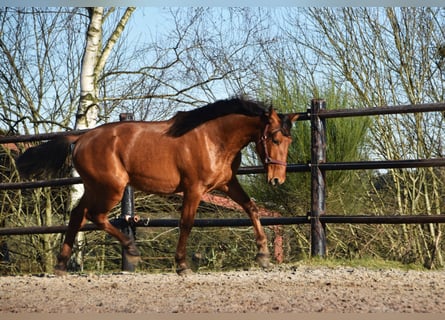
<point x="283" y="289"/>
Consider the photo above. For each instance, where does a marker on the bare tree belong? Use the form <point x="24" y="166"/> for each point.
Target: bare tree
<point x="95" y="56"/>
<point x="201" y="55"/>
<point x="38" y="86"/>
<point x="38" y="95"/>
<point x="97" y="51"/>
<point x="389" y="57"/>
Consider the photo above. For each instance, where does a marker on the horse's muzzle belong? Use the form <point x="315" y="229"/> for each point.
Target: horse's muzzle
<point x="275" y="181"/>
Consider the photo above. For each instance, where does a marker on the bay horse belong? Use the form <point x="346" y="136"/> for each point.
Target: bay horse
<point x="194" y="152"/>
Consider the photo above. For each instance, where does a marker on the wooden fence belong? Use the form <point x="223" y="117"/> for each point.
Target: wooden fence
<point x="318" y="165"/>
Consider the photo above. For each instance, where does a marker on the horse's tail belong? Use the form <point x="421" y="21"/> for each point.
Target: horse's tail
<point x="47" y="159"/>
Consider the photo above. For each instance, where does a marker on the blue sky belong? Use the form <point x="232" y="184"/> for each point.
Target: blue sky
<point x="224" y="3"/>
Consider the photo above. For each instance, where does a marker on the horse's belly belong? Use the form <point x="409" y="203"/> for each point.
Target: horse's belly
<point x="156" y="183"/>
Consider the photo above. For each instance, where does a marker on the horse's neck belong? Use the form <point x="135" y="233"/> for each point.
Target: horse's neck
<point x="239" y="131"/>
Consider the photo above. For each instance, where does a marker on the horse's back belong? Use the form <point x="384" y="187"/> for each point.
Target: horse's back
<point x="136" y="153"/>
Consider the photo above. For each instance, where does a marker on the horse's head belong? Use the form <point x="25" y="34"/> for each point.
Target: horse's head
<point x="274" y="143"/>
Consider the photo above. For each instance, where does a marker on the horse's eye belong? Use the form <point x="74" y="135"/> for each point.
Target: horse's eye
<point x="275" y="141"/>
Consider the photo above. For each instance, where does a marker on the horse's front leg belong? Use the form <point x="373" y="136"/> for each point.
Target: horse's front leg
<point x="237" y="193"/>
<point x="190" y="204"/>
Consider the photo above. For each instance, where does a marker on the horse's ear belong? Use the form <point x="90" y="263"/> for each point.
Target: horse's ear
<point x="293" y="117"/>
<point x="272" y="116"/>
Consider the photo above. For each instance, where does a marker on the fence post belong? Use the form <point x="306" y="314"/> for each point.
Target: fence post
<point x="127" y="210"/>
<point x="318" y="179"/>
<point x="4" y="253"/>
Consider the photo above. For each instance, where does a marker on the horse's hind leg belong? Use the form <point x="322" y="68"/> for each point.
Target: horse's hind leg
<point x="97" y="213"/>
<point x="98" y="209"/>
<point x="236" y="193"/>
<point x="101" y="220"/>
<point x="77" y="220"/>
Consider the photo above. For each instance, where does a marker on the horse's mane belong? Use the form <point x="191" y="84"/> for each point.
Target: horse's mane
<point x="184" y="121"/>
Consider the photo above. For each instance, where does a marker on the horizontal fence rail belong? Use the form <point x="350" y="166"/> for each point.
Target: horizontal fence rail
<point x="39" y="137"/>
<point x="239" y="222"/>
<point x="330" y="166"/>
<point x="386" y="110"/>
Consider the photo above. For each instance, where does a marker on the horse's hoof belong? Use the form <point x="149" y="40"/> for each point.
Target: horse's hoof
<point x="263" y="260"/>
<point x="132" y="253"/>
<point x="60" y="271"/>
<point x="184" y="271"/>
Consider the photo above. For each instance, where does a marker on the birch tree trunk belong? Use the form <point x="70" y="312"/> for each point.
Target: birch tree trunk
<point x="88" y="105"/>
<point x="93" y="63"/>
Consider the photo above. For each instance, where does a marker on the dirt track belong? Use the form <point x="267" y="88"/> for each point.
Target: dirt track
<point x="284" y="289"/>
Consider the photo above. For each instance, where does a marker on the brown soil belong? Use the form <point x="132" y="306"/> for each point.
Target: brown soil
<point x="283" y="289"/>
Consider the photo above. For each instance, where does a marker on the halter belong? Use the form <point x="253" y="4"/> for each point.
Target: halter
<point x="263" y="139"/>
